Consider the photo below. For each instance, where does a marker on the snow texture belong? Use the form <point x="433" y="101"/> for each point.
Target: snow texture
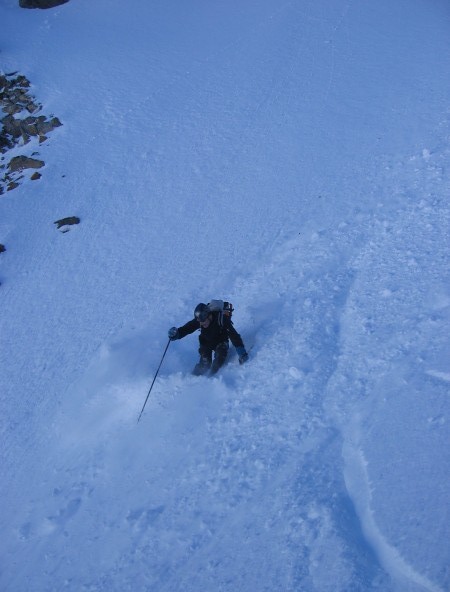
<point x="292" y="158"/>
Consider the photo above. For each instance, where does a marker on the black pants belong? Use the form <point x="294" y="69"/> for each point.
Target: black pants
<point x="220" y="355"/>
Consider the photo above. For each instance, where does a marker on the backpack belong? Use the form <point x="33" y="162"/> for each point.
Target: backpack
<point x="224" y="308"/>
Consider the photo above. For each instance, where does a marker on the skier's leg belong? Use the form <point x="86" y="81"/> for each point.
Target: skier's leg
<point x="204" y="363"/>
<point x="220" y="355"/>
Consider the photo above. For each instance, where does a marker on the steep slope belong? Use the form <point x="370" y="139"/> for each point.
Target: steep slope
<point x="291" y="158"/>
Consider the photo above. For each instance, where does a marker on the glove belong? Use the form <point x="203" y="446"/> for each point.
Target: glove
<point x="173" y="334"/>
<point x="243" y="355"/>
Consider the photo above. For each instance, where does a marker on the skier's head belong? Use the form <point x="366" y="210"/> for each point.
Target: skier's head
<point x="201" y="312"/>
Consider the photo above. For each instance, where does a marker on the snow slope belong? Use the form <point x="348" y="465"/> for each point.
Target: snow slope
<point x="291" y="157"/>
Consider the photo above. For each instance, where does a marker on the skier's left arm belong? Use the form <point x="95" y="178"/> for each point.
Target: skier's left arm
<point x="236" y="340"/>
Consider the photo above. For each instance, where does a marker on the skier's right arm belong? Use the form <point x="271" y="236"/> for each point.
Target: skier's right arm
<point x="187" y="329"/>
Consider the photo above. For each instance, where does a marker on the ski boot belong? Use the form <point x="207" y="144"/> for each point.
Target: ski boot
<point x="202" y="366"/>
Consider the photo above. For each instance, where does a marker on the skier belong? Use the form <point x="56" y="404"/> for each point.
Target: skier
<point x="216" y="328"/>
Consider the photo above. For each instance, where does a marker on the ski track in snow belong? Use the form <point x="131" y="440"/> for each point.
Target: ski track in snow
<point x="405" y="303"/>
<point x="245" y="471"/>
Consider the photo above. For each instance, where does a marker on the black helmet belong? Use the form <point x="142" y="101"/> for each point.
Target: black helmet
<point x="201" y="312"/>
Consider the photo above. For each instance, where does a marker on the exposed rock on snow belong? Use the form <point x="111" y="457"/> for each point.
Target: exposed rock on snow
<point x="41" y="3"/>
<point x="19" y="163"/>
<point x="64" y="223"/>
<point x="15" y="101"/>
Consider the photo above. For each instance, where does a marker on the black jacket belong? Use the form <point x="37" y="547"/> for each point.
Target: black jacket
<point x="215" y="333"/>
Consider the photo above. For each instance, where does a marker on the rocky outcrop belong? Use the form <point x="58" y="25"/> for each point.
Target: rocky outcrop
<point x="19" y="163"/>
<point x="41" y="3"/>
<point x="22" y="123"/>
<point x="23" y="127"/>
<point x="64" y="224"/>
<point x="27" y="127"/>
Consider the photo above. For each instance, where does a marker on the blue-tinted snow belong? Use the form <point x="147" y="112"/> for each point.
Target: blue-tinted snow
<point x="291" y="157"/>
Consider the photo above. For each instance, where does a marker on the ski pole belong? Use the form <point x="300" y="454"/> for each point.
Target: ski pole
<point x="154" y="378"/>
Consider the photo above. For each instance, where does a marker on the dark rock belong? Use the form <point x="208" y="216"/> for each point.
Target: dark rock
<point x="43" y="127"/>
<point x="41" y="3"/>
<point x="29" y="124"/>
<point x="5" y="144"/>
<point x="32" y="107"/>
<point x="20" y="122"/>
<point x="2" y="248"/>
<point x="67" y="221"/>
<point x="22" y="81"/>
<point x="12" y="126"/>
<point x="11" y="108"/>
<point x="35" y="176"/>
<point x="19" y="163"/>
